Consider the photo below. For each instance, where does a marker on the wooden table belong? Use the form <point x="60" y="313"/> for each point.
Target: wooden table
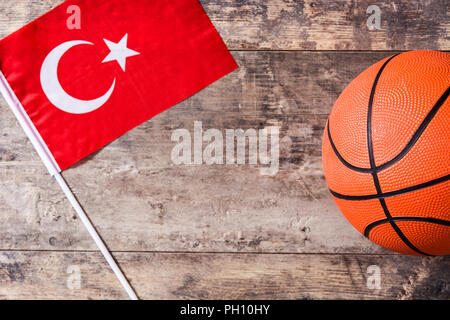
<point x="220" y="231"/>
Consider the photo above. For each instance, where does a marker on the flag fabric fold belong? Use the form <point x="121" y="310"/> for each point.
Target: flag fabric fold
<point x="74" y="91"/>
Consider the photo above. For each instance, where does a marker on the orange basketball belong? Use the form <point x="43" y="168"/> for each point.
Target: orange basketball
<point x="386" y="153"/>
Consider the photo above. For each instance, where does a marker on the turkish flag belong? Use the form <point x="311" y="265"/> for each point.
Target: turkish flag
<point x="76" y="90"/>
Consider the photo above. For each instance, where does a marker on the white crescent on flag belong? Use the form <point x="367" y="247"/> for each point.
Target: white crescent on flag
<point x="56" y="93"/>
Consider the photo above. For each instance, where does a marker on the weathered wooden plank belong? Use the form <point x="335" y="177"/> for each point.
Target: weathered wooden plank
<point x="84" y="275"/>
<point x="141" y="200"/>
<point x="299" y="25"/>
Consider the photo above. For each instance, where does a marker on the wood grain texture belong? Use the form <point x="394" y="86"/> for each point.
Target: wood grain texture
<point x="299" y="25"/>
<point x="220" y="231"/>
<point x="44" y="275"/>
<point x="140" y="200"/>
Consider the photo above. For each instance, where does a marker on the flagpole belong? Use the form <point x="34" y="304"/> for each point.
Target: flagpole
<point x="54" y="170"/>
<point x="94" y="234"/>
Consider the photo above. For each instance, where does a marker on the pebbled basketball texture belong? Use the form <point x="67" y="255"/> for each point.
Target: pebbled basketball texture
<point x="386" y="153"/>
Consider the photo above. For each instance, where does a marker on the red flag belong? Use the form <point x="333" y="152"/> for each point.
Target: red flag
<point x="76" y="90"/>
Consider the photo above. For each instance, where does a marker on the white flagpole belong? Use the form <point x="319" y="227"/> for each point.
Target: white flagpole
<point x="94" y="234"/>
<point x="54" y="170"/>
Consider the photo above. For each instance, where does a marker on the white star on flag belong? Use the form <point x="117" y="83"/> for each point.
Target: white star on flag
<point x="119" y="52"/>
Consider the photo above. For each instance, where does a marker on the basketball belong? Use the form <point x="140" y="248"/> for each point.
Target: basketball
<point x="386" y="153"/>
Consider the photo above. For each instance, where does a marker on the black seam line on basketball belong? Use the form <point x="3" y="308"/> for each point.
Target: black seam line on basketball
<point x="391" y="193"/>
<point x="417" y="134"/>
<point x="399" y="232"/>
<point x="341" y="159"/>
<point x="377" y="223"/>
<point x="372" y="94"/>
<point x="369" y="114"/>
<point x="373" y="165"/>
